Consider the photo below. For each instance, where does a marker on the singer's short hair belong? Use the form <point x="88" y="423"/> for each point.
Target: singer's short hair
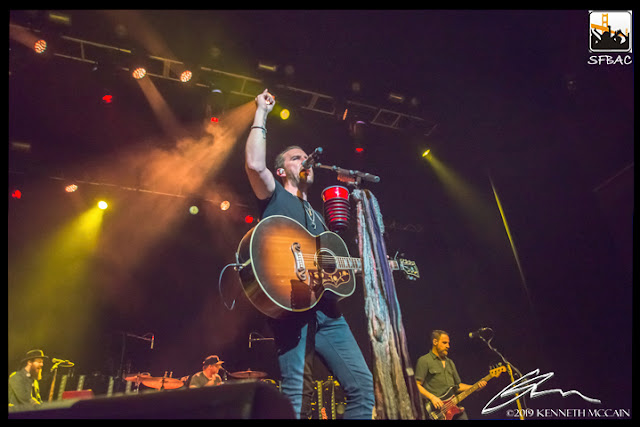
<point x="435" y="335"/>
<point x="280" y="157"/>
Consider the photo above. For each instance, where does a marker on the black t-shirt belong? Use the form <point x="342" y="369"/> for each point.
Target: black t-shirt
<point x="284" y="203"/>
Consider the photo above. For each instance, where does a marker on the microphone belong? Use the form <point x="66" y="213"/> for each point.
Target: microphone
<point x="478" y="332"/>
<point x="312" y="159"/>
<point x="153" y="337"/>
<point x="64" y="363"/>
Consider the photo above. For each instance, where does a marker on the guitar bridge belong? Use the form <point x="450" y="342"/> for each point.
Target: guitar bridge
<point x="301" y="269"/>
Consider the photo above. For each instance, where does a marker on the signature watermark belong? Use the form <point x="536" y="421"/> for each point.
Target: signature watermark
<point x="568" y="413"/>
<point x="528" y="385"/>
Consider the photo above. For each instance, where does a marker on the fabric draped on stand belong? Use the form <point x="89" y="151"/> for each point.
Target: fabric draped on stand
<point x="395" y="388"/>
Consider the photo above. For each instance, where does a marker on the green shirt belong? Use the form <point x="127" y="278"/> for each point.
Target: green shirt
<point x="434" y="377"/>
<point x="23" y="389"/>
<point x="200" y="380"/>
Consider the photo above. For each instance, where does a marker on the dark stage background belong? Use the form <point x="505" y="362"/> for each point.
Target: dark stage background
<point x="516" y="103"/>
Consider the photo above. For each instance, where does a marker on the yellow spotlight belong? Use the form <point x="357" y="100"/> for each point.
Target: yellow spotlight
<point x="284" y="114"/>
<point x="193" y="210"/>
<point x="427" y="153"/>
<point x="102" y="204"/>
<point x="225" y="205"/>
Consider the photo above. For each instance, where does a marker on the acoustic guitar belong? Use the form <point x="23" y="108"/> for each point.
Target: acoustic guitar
<point x="286" y="269"/>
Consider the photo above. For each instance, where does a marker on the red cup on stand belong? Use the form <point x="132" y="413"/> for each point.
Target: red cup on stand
<point x="337" y="210"/>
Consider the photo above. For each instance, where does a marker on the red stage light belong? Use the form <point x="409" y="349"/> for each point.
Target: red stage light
<point x="359" y="150"/>
<point x="248" y="219"/>
<point x="107" y="99"/>
<point x="16" y="194"/>
<point x="214" y="120"/>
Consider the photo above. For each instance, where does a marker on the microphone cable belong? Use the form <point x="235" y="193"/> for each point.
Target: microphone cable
<point x="236" y="266"/>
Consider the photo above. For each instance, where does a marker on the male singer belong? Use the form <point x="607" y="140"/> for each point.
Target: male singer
<point x="322" y="329"/>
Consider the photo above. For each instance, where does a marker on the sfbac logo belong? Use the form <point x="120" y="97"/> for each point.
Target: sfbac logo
<point x="610" y="31"/>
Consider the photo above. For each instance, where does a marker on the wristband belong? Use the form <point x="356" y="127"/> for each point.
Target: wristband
<point x="259" y="127"/>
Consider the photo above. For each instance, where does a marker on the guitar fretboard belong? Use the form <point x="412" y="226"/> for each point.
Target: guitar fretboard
<point x="348" y="263"/>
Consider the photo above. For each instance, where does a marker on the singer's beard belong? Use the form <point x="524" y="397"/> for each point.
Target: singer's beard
<point x="305" y="177"/>
<point x="35" y="373"/>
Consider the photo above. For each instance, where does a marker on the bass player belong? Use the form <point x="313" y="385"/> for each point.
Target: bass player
<point x="436" y="374"/>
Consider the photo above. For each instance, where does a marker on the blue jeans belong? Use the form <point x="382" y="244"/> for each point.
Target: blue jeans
<point x="298" y="336"/>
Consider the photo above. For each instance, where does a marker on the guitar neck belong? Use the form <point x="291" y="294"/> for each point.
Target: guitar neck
<point x="348" y="263"/>
<point x="476" y="386"/>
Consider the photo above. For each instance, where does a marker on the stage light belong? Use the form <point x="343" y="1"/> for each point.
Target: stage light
<point x="225" y="205"/>
<point x="24" y="147"/>
<point x="427" y="153"/>
<point x="71" y="188"/>
<point x="40" y="46"/>
<point x="59" y="18"/>
<point x="284" y="114"/>
<point x="139" y="73"/>
<point x="185" y="76"/>
<point x="138" y="63"/>
<point x="248" y="219"/>
<point x="272" y="68"/>
<point x="107" y="99"/>
<point x="396" y="98"/>
<point x="103" y="205"/>
<point x="193" y="210"/>
<point x="357" y="133"/>
<point x="16" y="194"/>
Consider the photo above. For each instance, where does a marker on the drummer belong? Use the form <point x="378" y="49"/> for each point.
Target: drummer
<point x="208" y="376"/>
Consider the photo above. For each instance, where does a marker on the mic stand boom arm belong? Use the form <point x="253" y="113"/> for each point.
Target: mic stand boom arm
<point x="350" y="176"/>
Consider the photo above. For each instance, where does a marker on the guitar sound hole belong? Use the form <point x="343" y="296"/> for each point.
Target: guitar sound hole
<point x="326" y="262"/>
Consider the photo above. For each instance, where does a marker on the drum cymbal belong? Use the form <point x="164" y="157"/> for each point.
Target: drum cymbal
<point x="162" y="382"/>
<point x="137" y="377"/>
<point x="248" y="374"/>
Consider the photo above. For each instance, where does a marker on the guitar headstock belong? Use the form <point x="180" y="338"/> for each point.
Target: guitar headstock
<point x="497" y="370"/>
<point x="409" y="268"/>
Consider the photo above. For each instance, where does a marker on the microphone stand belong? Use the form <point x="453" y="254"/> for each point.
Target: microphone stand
<point x="124" y="345"/>
<point x="349" y="176"/>
<point x="54" y="369"/>
<point x="510" y="367"/>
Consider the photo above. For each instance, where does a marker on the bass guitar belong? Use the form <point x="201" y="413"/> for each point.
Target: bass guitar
<point x="284" y="268"/>
<point x="451" y="400"/>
